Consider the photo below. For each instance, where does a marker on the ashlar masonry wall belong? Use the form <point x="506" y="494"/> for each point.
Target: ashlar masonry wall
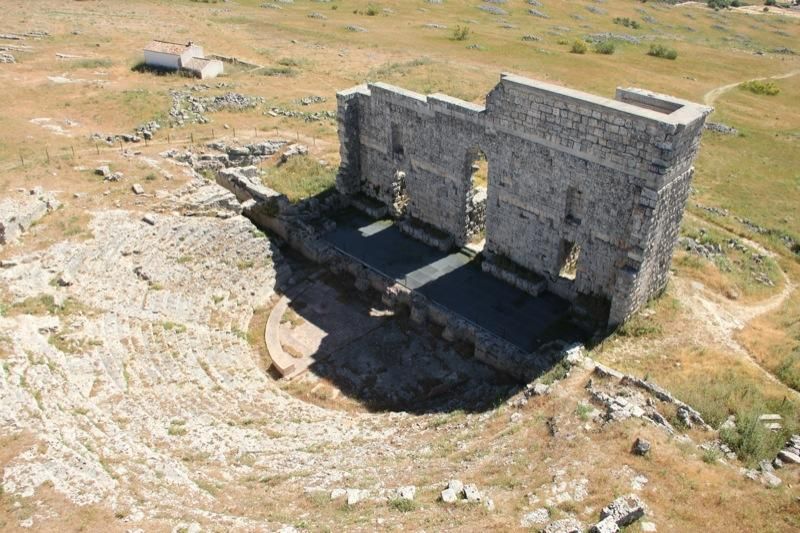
<point x="574" y="179"/>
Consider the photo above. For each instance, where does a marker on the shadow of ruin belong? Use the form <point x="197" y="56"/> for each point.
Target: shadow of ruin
<point x="483" y="242"/>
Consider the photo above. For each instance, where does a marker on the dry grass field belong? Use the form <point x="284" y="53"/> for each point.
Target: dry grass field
<point x="144" y="406"/>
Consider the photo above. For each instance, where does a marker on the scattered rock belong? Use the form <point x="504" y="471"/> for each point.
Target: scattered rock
<point x="455" y="485"/>
<point x="354" y="496"/>
<point x="625" y="510"/>
<point x="291" y="151"/>
<point x="787" y="456"/>
<point x="137" y="189"/>
<point x="104" y="171"/>
<point x="606" y="525"/>
<point x="535" y="518"/>
<point x="407" y="493"/>
<point x="449" y="496"/>
<point x="641" y="447"/>
<point x="566" y="525"/>
<point x="471" y="493"/>
<point x="719" y="127"/>
<point x="149" y="218"/>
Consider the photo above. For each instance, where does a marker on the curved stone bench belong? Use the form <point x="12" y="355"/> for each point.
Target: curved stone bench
<point x="281" y="360"/>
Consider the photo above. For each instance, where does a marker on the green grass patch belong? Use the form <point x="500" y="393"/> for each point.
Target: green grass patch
<point x="664" y="52"/>
<point x="559" y="371"/>
<point x="402" y="505"/>
<point x="605" y="48"/>
<point x="720" y="394"/>
<point x="300" y="177"/>
<point x="91" y="63"/>
<point x="172" y="326"/>
<point x="765" y="87"/>
<point x="45" y="304"/>
<point x="280" y="70"/>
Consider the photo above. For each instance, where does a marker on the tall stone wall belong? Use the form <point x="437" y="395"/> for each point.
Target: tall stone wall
<point x="574" y="179"/>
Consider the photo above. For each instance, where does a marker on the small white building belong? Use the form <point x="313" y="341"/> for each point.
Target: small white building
<point x="175" y="56"/>
<point x="204" y="68"/>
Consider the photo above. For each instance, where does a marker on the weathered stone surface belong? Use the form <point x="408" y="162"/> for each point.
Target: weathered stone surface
<point x="535" y="518"/>
<point x="407" y="493"/>
<point x="641" y="447"/>
<point x="788" y="457"/>
<point x="606" y="525"/>
<point x="552" y="154"/>
<point x="18" y="213"/>
<point x="471" y="493"/>
<point x="449" y="496"/>
<point x="566" y="525"/>
<point x="625" y="510"/>
<point x="354" y="496"/>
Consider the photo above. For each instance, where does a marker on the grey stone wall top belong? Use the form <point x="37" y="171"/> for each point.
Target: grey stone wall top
<point x="632" y="103"/>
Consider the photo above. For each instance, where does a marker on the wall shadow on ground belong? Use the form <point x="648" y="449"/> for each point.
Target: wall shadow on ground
<point x="384" y="361"/>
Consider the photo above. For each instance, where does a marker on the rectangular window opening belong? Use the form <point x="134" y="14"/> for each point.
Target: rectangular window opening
<point x="574" y="206"/>
<point x="397" y="141"/>
<point x="568" y="260"/>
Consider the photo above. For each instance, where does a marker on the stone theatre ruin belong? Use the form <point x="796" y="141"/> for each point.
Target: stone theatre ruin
<point x="583" y="198"/>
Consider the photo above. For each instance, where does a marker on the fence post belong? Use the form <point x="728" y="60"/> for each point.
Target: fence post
<point x="22" y="159"/>
<point x="47" y="153"/>
<point x="234" y="133"/>
<point x="97" y="147"/>
<point x="192" y="138"/>
<point x="73" y="151"/>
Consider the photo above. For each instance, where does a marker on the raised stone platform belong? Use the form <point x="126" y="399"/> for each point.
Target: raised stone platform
<point x="454" y="281"/>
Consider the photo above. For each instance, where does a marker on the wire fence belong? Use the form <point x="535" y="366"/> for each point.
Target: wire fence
<point x="28" y="158"/>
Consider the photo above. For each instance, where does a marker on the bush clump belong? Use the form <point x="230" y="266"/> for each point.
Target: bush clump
<point x="579" y="47"/>
<point x="461" y="33"/>
<point x="723" y="4"/>
<point x="767" y="88"/>
<point x="627" y="22"/>
<point x="604" y="47"/>
<point x="664" y="52"/>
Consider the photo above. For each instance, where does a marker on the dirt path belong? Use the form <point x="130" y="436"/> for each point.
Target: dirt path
<point x="722" y="319"/>
<point x="711" y="96"/>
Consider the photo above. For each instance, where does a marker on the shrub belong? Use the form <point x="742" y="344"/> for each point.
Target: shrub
<point x="402" y="505"/>
<point x="579" y="47"/>
<point x="718" y="395"/>
<point x="628" y="23"/>
<point x="664" y="52"/>
<point x="461" y="33"/>
<point x="723" y="4"/>
<point x="760" y="87"/>
<point x="372" y="10"/>
<point x="605" y="47"/>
